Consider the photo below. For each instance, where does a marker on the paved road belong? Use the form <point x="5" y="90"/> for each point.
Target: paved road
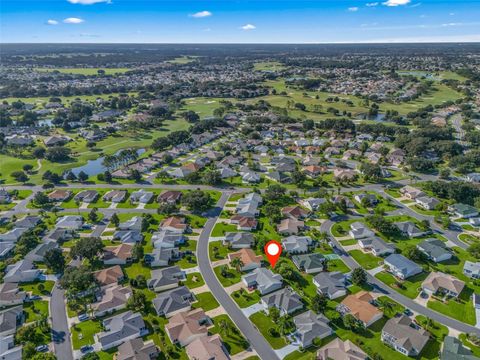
<point x="386" y="290"/>
<point x="256" y="340"/>
<point x="60" y="331"/>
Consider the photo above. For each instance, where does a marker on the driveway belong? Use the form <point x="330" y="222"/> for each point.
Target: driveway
<point x="252" y="309"/>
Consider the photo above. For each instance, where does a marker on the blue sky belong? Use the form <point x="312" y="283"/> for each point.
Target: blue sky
<point x="239" y="21"/>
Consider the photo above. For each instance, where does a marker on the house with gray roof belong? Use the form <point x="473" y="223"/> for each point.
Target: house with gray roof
<point x="10" y="295"/>
<point x="471" y="269"/>
<point x="8" y="350"/>
<point x="167" y="239"/>
<point x="359" y="230"/>
<point x="427" y="202"/>
<point x="162" y="256"/>
<point x="239" y="240"/>
<point x="72" y="222"/>
<point x="137" y="349"/>
<point x="13" y="235"/>
<point x="6" y="248"/>
<point x="21" y="271"/>
<point x="331" y="284"/>
<point x="401" y="267"/>
<point x="110" y="299"/>
<point x="173" y="301"/>
<point x="377" y="246"/>
<point x="141" y="196"/>
<point x="135" y="223"/>
<point x="165" y="279"/>
<point x="28" y="222"/>
<point x="10" y="319"/>
<point x="120" y="328"/>
<point x="40" y="250"/>
<point x="435" y="250"/>
<point x="264" y="280"/>
<point x="87" y="196"/>
<point x="286" y="300"/>
<point x="408" y="228"/>
<point x="296" y="244"/>
<point x="463" y="211"/>
<point x="128" y="236"/>
<point x="453" y="349"/>
<point x="311" y="326"/>
<point x="310" y="263"/>
<point x="404" y="336"/>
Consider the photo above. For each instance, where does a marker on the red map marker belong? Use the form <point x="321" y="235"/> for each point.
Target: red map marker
<point x="273" y="250"/>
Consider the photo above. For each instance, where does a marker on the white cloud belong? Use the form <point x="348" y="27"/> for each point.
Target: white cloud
<point x="396" y="2"/>
<point x="247" y="27"/>
<point x="73" y="20"/>
<point x="52" y="22"/>
<point x="89" y="2"/>
<point x="452" y="24"/>
<point x="353" y="9"/>
<point x="372" y="4"/>
<point x="201" y="14"/>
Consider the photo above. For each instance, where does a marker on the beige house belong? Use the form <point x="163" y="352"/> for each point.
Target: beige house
<point x="442" y="283"/>
<point x="359" y="305"/>
<point x="207" y="348"/>
<point x="341" y="350"/>
<point x="185" y="327"/>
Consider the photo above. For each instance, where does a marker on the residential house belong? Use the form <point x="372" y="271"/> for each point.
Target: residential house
<point x="21" y="271"/>
<point x="401" y="267"/>
<point x="115" y="196"/>
<point x="331" y="284"/>
<point x="313" y="204"/>
<point x="248" y="258"/>
<point x="135" y="223"/>
<point x="28" y="222"/>
<point x="341" y="350"/>
<point x="286" y="300"/>
<point x="111" y="299"/>
<point x="174" y="224"/>
<point x="59" y="195"/>
<point x="437" y="282"/>
<point x="435" y="250"/>
<point x="128" y="236"/>
<point x="71" y="222"/>
<point x="137" y="349"/>
<point x="344" y="174"/>
<point x="8" y="350"/>
<point x="38" y="253"/>
<point x="294" y="212"/>
<point x="411" y="193"/>
<point x="408" y="228"/>
<point x="6" y="249"/>
<point x="121" y="328"/>
<point x="166" y="279"/>
<point x="404" y="336"/>
<point x="207" y="348"/>
<point x="10" y="319"/>
<point x="453" y="349"/>
<point x="239" y="240"/>
<point x="13" y="235"/>
<point x="11" y="295"/>
<point x="359" y="230"/>
<point x="471" y="269"/>
<point x="427" y="202"/>
<point x="185" y="327"/>
<point x="169" y="196"/>
<point x="117" y="255"/>
<point x="365" y="198"/>
<point x="167" y="239"/>
<point x="310" y="263"/>
<point x="360" y="306"/>
<point x="311" y="326"/>
<point x="87" y="196"/>
<point x="173" y="301"/>
<point x="264" y="280"/>
<point x="162" y="256"/>
<point x="297" y="244"/>
<point x="473" y="177"/>
<point x="141" y="196"/>
<point x="109" y="276"/>
<point x="377" y="246"/>
<point x="463" y="211"/>
<point x="290" y="227"/>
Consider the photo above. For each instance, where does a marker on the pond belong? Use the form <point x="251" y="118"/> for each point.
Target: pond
<point x="95" y="167"/>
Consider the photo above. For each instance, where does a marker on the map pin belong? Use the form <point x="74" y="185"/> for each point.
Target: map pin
<point x="273" y="250"/>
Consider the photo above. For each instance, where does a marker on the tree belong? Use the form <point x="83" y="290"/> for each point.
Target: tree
<point x="57" y="154"/>
<point x="77" y="279"/>
<point x="87" y="248"/>
<point x="191" y="116"/>
<point x="54" y="260"/>
<point x="474" y="250"/>
<point x="93" y="215"/>
<point x="91" y="356"/>
<point x="274" y="314"/>
<point x="359" y="276"/>
<point x="71" y="176"/>
<point x="20" y="176"/>
<point x="135" y="175"/>
<point x="351" y="322"/>
<point x="319" y="303"/>
<point x="387" y="306"/>
<point x="212" y="177"/>
<point x="274" y="192"/>
<point x="224" y="327"/>
<point x="298" y="177"/>
<point x="138" y="301"/>
<point x="237" y="263"/>
<point x="107" y="176"/>
<point x="115" y="220"/>
<point x="137" y="252"/>
<point x="82" y="176"/>
<point x="167" y="209"/>
<point x="197" y="201"/>
<point x="411" y="252"/>
<point x="40" y="199"/>
<point x="27" y="167"/>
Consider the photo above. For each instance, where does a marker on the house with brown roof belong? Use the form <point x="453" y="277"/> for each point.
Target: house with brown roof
<point x="136" y="349"/>
<point x="341" y="350"/>
<point x="344" y="174"/>
<point x="360" y="306"/>
<point x="59" y="195"/>
<point x="244" y="223"/>
<point x="185" y="327"/>
<point x="207" y="348"/>
<point x="411" y="193"/>
<point x="290" y="226"/>
<point x="314" y="170"/>
<point x="109" y="276"/>
<point x="111" y="299"/>
<point x="174" y="224"/>
<point x="294" y="212"/>
<point x="248" y="257"/>
<point x="169" y="196"/>
<point x="117" y="255"/>
<point x="438" y="282"/>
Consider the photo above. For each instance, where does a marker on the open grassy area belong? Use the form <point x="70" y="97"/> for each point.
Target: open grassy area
<point x="217" y="251"/>
<point x="269" y="66"/>
<point x="35" y="310"/>
<point x="410" y="287"/>
<point x="206" y="301"/>
<point x="194" y="280"/>
<point x="245" y="299"/>
<point x="221" y="229"/>
<point x="232" y="276"/>
<point x="83" y="333"/>
<point x="461" y="309"/>
<point x="263" y="324"/>
<point x="38" y="287"/>
<point x="232" y="338"/>
<point x="366" y="260"/>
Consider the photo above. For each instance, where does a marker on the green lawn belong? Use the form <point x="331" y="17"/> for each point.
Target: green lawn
<point x="438" y="330"/>
<point x="222" y="250"/>
<point x="82" y="333"/>
<point x="135" y="269"/>
<point x="337" y="265"/>
<point x="35" y="310"/>
<point x="220" y="229"/>
<point x="245" y="299"/>
<point x="194" y="280"/>
<point x="263" y="324"/>
<point x="232" y="338"/>
<point x="410" y="287"/>
<point x="348" y="242"/>
<point x="461" y="309"/>
<point x="33" y="287"/>
<point x="232" y="276"/>
<point x="206" y="301"/>
<point x="367" y="261"/>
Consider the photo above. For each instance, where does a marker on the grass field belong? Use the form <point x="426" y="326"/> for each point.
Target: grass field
<point x="206" y="301"/>
<point x="232" y="338"/>
<point x="263" y="324"/>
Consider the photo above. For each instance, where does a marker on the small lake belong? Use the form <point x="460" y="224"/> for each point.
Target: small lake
<point x="95" y="167"/>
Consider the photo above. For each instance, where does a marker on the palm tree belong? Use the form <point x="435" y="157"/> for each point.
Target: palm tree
<point x="387" y="306"/>
<point x="237" y="263"/>
<point x="224" y="327"/>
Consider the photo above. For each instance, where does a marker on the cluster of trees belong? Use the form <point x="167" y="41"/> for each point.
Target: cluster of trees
<point x="124" y="157"/>
<point x="460" y="191"/>
<point x="172" y="139"/>
<point x="197" y="200"/>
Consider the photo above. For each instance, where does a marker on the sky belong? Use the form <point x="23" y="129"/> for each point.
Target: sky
<point x="238" y="21"/>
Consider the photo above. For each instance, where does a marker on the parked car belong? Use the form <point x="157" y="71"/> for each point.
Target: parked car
<point x="83" y="317"/>
<point x="42" y="348"/>
<point x="86" y="349"/>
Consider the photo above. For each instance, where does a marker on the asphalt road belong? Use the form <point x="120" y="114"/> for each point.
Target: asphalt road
<point x="60" y="331"/>
<point x="386" y="290"/>
<point x="256" y="340"/>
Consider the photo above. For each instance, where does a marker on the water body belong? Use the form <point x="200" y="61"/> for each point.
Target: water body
<point x="95" y="167"/>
